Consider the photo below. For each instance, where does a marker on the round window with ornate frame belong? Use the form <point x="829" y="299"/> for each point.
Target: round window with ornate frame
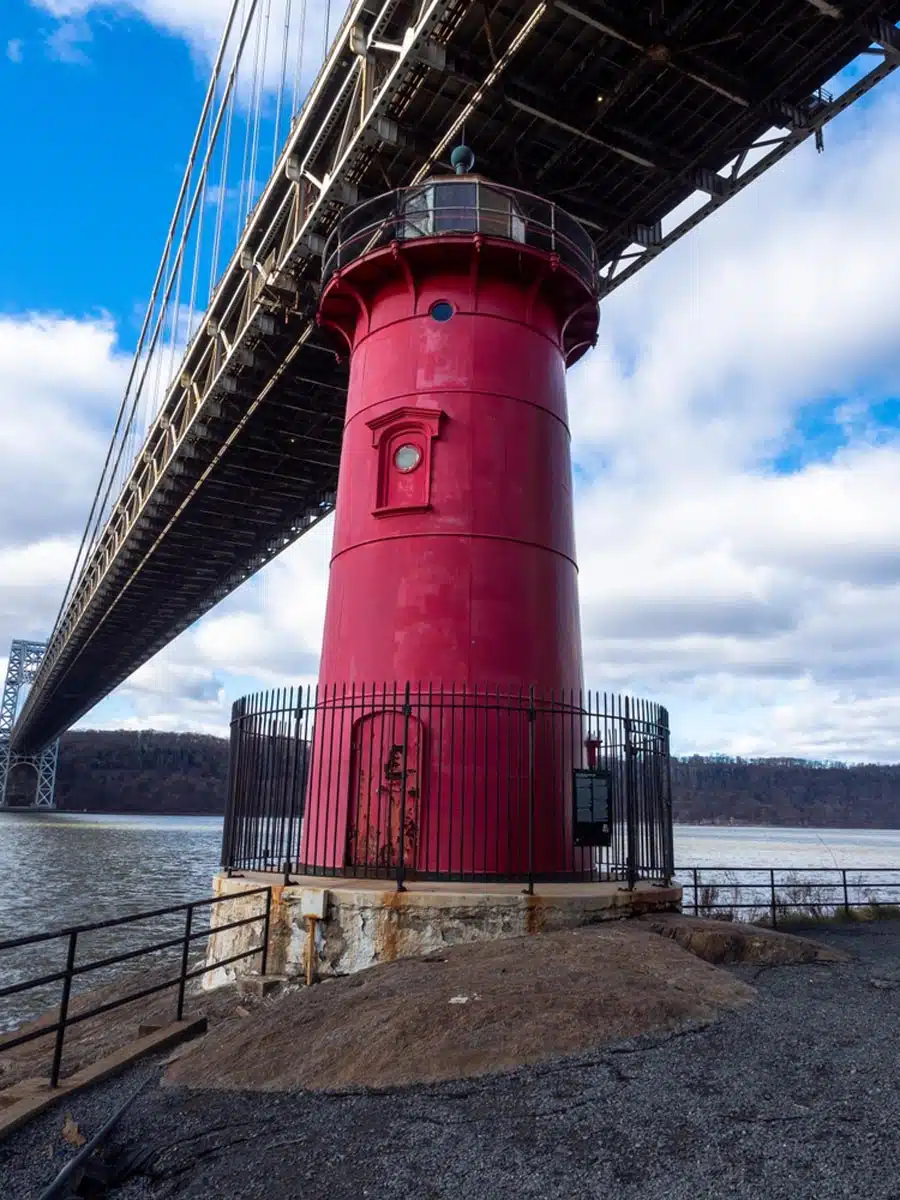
<point x="407" y="457"/>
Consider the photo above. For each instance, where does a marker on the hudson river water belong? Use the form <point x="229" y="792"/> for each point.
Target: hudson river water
<point x="64" y="869"/>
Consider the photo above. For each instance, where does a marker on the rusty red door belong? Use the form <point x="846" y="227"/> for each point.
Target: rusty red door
<point x="385" y="786"/>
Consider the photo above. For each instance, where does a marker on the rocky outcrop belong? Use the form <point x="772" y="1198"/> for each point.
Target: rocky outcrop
<point x="726" y="942"/>
<point x="468" y="1010"/>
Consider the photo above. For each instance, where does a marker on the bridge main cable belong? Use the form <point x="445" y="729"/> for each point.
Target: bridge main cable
<point x="97" y="505"/>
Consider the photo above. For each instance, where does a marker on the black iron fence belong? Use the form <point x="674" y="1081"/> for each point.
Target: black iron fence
<point x="774" y="895"/>
<point x="465" y="784"/>
<point x="73" y="969"/>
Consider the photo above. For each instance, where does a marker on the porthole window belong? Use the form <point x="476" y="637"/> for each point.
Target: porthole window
<point x="442" y="311"/>
<point x="407" y="457"/>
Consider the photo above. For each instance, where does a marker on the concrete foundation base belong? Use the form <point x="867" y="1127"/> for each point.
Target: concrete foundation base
<point x="351" y="924"/>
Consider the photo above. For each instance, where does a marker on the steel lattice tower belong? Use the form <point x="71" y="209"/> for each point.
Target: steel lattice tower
<point x="24" y="660"/>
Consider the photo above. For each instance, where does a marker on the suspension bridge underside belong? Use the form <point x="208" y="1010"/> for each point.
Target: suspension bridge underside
<point x="620" y="112"/>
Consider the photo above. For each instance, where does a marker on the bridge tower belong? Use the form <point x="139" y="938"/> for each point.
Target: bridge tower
<point x="460" y="303"/>
<point x="26" y="781"/>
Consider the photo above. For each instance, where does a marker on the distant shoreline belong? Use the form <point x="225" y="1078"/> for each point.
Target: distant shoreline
<point x="110" y="812"/>
<point x="695" y="824"/>
<point x="769" y="825"/>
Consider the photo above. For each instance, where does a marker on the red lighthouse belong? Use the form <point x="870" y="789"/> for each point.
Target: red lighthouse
<point x="460" y="304"/>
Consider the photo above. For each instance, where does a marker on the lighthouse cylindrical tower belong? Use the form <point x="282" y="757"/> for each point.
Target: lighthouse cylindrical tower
<point x="460" y="303"/>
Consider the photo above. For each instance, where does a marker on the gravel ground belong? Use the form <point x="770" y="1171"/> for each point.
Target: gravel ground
<point x="793" y="1097"/>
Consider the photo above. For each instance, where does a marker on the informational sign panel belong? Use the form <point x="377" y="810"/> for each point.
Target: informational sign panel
<point x="592" y="791"/>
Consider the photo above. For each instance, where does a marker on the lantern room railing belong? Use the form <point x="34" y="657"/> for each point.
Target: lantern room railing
<point x="456" y="206"/>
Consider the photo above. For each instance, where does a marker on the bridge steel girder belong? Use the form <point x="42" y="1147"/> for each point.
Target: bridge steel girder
<point x="24" y="660"/>
<point x="384" y="111"/>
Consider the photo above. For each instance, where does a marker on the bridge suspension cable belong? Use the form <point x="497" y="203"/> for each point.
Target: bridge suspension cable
<point x="246" y="115"/>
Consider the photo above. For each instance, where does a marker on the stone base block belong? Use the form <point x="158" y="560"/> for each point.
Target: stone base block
<point x="351" y="924"/>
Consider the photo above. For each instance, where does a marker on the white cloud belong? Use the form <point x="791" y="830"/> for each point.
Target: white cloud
<point x="754" y="602"/>
<point x="201" y="23"/>
<point x="14" y="50"/>
<point x="60" y="382"/>
<point x="60" y="379"/>
<point x="66" y="42"/>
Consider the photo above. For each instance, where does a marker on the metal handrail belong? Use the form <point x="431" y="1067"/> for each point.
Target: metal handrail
<point x="428" y="210"/>
<point x="703" y="886"/>
<point x="71" y="970"/>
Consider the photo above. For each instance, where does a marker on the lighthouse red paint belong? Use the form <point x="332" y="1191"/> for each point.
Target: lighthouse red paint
<point x="454" y="553"/>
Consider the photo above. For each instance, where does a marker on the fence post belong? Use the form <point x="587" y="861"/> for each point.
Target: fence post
<point x="264" y="960"/>
<point x="185" y="949"/>
<point x="63" y="1009"/>
<point x="846" y="893"/>
<point x="696" y="892"/>
<point x="532" y="717"/>
<point x="630" y="865"/>
<point x="401" y="862"/>
<point x="668" y="832"/>
<point x="774" y="903"/>
<point x="227" y="858"/>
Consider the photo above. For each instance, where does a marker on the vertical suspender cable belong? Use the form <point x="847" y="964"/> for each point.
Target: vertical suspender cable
<point x="224" y="200"/>
<point x="298" y="65"/>
<point x="248" y="134"/>
<point x="174" y="314"/>
<point x="198" y="247"/>
<point x="257" y="113"/>
<point x="225" y="195"/>
<point x="276" y="139"/>
<point x="326" y="42"/>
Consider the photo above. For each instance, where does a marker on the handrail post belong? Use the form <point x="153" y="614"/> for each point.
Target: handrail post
<point x="846" y="893"/>
<point x="696" y="892"/>
<point x="63" y="1009"/>
<point x="264" y="960"/>
<point x="185" y="948"/>
<point x="774" y="905"/>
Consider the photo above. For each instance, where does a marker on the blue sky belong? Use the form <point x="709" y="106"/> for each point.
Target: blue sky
<point x="735" y="432"/>
<point x="98" y="147"/>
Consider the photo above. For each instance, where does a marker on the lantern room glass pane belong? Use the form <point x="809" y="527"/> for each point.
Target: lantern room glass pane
<point x="499" y="215"/>
<point x="418" y="208"/>
<point x="455" y="207"/>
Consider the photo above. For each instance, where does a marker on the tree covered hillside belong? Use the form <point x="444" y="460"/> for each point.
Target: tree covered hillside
<point x="785" y="791"/>
<point x="142" y="772"/>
